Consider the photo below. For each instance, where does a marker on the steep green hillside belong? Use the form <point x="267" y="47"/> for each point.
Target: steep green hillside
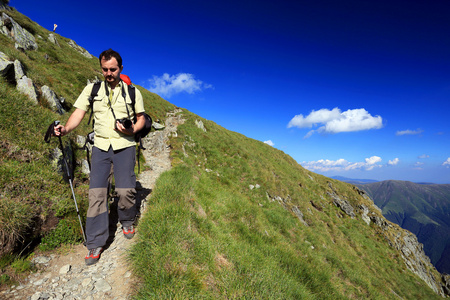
<point x="33" y="196"/>
<point x="208" y="234"/>
<point x="234" y="218"/>
<point x="422" y="209"/>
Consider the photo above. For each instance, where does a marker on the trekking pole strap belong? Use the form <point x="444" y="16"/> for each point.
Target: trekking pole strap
<point x="50" y="131"/>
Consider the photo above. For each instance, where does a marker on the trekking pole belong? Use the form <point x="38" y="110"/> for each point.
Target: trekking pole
<point x="47" y="139"/>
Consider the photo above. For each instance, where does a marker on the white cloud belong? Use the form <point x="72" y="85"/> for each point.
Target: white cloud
<point x="423" y="156"/>
<point x="409" y="132"/>
<point x="418" y="165"/>
<point x="447" y="163"/>
<point x="269" y="142"/>
<point x="169" y="85"/>
<point x="335" y="121"/>
<point x="394" y="162"/>
<point x="342" y="165"/>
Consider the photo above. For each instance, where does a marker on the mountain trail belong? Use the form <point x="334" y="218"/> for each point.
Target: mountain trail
<point x="66" y="276"/>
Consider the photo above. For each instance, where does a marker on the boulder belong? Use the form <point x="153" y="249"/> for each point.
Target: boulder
<point x="26" y="86"/>
<point x="55" y="103"/>
<point x="18" y="70"/>
<point x="11" y="28"/>
<point x="52" y="38"/>
<point x="5" y="67"/>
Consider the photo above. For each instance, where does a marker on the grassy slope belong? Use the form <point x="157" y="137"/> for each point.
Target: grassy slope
<point x="207" y="235"/>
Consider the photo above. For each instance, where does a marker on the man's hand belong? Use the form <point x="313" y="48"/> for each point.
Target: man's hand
<point x="74" y="120"/>
<point x="121" y="128"/>
<point x="134" y="128"/>
<point x="60" y="130"/>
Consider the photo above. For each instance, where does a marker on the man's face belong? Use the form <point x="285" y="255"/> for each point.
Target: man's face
<point x="111" y="70"/>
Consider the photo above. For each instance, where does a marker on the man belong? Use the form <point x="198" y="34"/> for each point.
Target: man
<point x="114" y="144"/>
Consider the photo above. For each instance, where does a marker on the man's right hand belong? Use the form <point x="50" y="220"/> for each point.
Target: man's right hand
<point x="60" y="130"/>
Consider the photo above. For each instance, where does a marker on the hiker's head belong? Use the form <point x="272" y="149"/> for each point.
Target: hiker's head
<point x="111" y="64"/>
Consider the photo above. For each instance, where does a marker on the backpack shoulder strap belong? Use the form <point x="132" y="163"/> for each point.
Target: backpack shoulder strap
<point x="94" y="93"/>
<point x="132" y="94"/>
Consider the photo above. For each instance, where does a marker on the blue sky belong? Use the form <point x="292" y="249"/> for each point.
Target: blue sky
<point x="358" y="89"/>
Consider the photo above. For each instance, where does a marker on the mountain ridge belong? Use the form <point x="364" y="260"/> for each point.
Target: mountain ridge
<point x="422" y="209"/>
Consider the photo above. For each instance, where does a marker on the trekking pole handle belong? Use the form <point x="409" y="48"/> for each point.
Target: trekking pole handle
<point x="56" y="123"/>
<point x="50" y="131"/>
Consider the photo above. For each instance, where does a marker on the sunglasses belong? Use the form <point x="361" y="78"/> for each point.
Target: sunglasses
<point x="110" y="69"/>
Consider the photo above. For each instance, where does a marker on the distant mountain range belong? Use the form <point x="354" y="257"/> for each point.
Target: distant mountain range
<point x="423" y="209"/>
<point x="354" y="181"/>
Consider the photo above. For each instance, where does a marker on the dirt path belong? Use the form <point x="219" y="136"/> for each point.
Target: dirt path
<point x="67" y="276"/>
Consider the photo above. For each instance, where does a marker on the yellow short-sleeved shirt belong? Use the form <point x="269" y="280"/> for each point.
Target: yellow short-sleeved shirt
<point x="105" y="135"/>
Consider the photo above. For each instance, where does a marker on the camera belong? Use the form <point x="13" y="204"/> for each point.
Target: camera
<point x="125" y="122"/>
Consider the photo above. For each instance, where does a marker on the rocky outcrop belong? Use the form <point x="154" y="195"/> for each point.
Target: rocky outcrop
<point x="26" y="86"/>
<point x="79" y="49"/>
<point x="56" y="103"/>
<point x="52" y="38"/>
<point x="14" y="72"/>
<point x="5" y="66"/>
<point x="24" y="40"/>
<point x="402" y="240"/>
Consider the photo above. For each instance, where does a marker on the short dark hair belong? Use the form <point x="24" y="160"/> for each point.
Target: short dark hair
<point x="108" y="54"/>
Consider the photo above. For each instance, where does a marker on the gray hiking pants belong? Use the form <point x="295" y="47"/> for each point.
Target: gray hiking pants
<point x="97" y="221"/>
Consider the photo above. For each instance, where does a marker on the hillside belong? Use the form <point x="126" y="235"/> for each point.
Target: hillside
<point x="233" y="219"/>
<point x="423" y="209"/>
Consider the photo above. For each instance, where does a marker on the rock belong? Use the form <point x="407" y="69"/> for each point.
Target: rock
<point x="85" y="167"/>
<point x="58" y="162"/>
<point x="5" y="67"/>
<point x="36" y="296"/>
<point x="26" y="86"/>
<point x="65" y="269"/>
<point x="18" y="70"/>
<point x="344" y="205"/>
<point x="52" y="38"/>
<point x="11" y="28"/>
<point x="41" y="259"/>
<point x="81" y="50"/>
<point x="158" y="126"/>
<point x="200" y="125"/>
<point x="102" y="286"/>
<point x="299" y="215"/>
<point x="365" y="213"/>
<point x="55" y="103"/>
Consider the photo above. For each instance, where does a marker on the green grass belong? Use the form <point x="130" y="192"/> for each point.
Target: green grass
<point x="206" y="235"/>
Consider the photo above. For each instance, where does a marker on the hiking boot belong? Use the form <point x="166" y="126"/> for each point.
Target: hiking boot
<point x="93" y="256"/>
<point x="128" y="231"/>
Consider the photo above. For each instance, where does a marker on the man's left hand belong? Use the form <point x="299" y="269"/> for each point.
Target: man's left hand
<point x="121" y="128"/>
